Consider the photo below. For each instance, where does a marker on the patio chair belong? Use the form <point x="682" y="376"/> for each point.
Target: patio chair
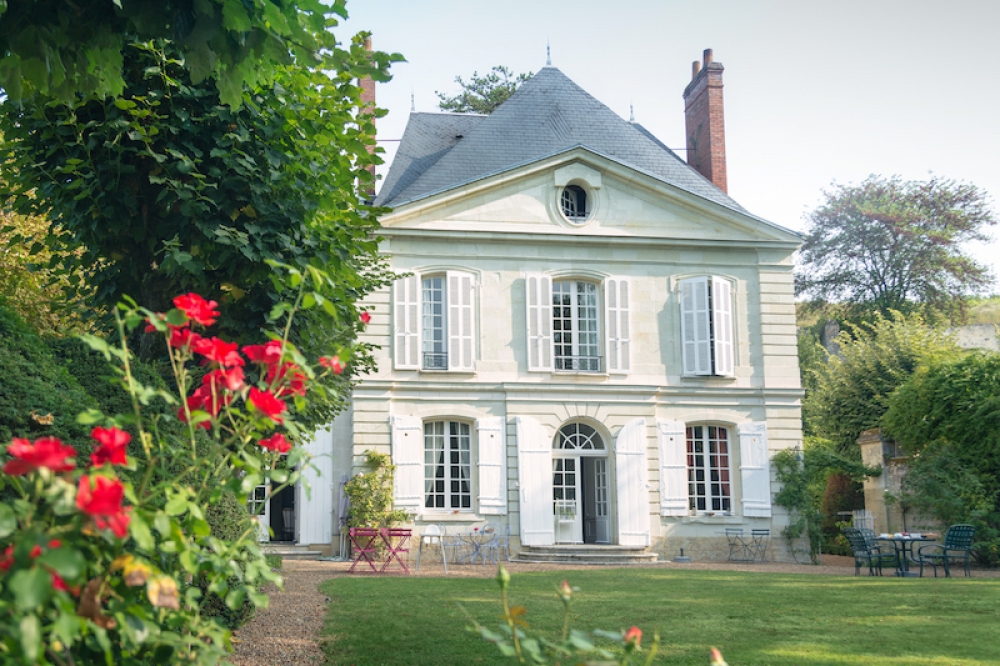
<point x="759" y="539"/>
<point x="433" y="536"/>
<point x="867" y="552"/>
<point x="957" y="545"/>
<point x="500" y="545"/>
<point x="740" y="550"/>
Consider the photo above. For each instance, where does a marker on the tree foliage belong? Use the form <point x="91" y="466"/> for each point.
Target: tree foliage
<point x="483" y="94"/>
<point x="947" y="416"/>
<point x="59" y="49"/>
<point x="890" y="244"/>
<point x="853" y="390"/>
<point x="166" y="190"/>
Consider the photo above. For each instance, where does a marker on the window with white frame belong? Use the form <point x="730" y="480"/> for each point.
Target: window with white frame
<point x="564" y="322"/>
<point x="447" y="465"/>
<point x="573" y="203"/>
<point x="709" y="482"/>
<point x="707" y="326"/>
<point x="434" y="322"/>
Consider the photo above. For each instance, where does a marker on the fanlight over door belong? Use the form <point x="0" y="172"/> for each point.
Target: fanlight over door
<point x="580" y="486"/>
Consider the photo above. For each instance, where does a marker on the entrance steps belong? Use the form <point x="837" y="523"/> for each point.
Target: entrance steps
<point x="290" y="551"/>
<point x="586" y="554"/>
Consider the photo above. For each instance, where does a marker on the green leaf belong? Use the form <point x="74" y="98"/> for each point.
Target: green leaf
<point x="279" y="475"/>
<point x="201" y="528"/>
<point x="31" y="637"/>
<point x="65" y="561"/>
<point x="189" y="561"/>
<point x="90" y="417"/>
<point x="162" y="524"/>
<point x="235" y="598"/>
<point x="31" y="587"/>
<point x="140" y="531"/>
<point x="177" y="505"/>
<point x="8" y="521"/>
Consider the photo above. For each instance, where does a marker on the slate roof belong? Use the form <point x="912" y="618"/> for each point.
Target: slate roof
<point x="547" y="115"/>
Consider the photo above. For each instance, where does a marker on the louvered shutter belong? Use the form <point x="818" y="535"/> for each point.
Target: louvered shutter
<point x="695" y="332"/>
<point x="534" y="468"/>
<point x="755" y="473"/>
<point x="406" y="322"/>
<point x="408" y="457"/>
<point x="461" y="326"/>
<point x="722" y="326"/>
<point x="618" y="325"/>
<point x="539" y="302"/>
<point x="633" y="484"/>
<point x="674" y="499"/>
<point x="492" y="464"/>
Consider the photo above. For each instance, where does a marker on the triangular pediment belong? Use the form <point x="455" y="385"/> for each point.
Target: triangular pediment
<point x="622" y="203"/>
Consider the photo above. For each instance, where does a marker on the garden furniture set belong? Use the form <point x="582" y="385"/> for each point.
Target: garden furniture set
<point x="875" y="553"/>
<point x="751" y="548"/>
<point x="489" y="543"/>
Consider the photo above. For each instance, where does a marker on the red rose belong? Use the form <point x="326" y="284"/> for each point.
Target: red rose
<point x="36" y="550"/>
<point x="112" y="449"/>
<point x="276" y="442"/>
<point x="230" y="379"/>
<point x="7" y="561"/>
<point x="268" y="354"/>
<point x="267" y="404"/>
<point x="47" y="452"/>
<point x="58" y="583"/>
<point x="55" y="543"/>
<point x="218" y="351"/>
<point x="197" y="308"/>
<point x="104" y="503"/>
<point x="181" y="338"/>
<point x="366" y="317"/>
<point x="332" y="363"/>
<point x="287" y="378"/>
<point x="632" y="637"/>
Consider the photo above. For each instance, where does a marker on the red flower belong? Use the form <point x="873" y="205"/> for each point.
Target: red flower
<point x="268" y="354"/>
<point x="181" y="338"/>
<point x="204" y="400"/>
<point x="104" y="503"/>
<point x="290" y="379"/>
<point x="197" y="308"/>
<point x="366" y="317"/>
<point x="267" y="404"/>
<point x="218" y="351"/>
<point x="112" y="449"/>
<point x="58" y="583"/>
<point x="332" y="363"/>
<point x="7" y="561"/>
<point x="276" y="442"/>
<point x="35" y="551"/>
<point x="47" y="452"/>
<point x="230" y="379"/>
<point x="55" y="543"/>
<point x="632" y="637"/>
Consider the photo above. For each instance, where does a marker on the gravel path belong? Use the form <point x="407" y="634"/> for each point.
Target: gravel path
<point x="287" y="632"/>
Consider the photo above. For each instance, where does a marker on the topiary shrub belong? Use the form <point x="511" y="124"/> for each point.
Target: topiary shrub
<point x="229" y="520"/>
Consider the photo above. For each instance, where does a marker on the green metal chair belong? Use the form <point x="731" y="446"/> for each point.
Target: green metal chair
<point x="957" y="545"/>
<point x="868" y="553"/>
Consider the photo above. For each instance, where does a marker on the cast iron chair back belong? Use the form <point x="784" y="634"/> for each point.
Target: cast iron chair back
<point x="867" y="552"/>
<point x="957" y="545"/>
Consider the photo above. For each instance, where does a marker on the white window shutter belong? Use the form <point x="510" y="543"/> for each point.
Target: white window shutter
<point x="492" y="464"/>
<point x="633" y="484"/>
<point x="539" y="302"/>
<point x="408" y="457"/>
<point x="461" y="325"/>
<point x="406" y="322"/>
<point x="674" y="500"/>
<point x="534" y="468"/>
<point x="618" y="325"/>
<point x="755" y="472"/>
<point x="722" y="326"/>
<point x="695" y="332"/>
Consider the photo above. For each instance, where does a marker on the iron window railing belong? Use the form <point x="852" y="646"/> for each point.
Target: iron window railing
<point x="579" y="363"/>
<point x="435" y="361"/>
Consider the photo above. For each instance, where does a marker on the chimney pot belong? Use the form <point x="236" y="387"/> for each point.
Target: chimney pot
<point x="695" y="68"/>
<point x="708" y="56"/>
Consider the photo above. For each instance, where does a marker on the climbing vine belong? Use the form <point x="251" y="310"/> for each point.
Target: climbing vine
<point x="371" y="494"/>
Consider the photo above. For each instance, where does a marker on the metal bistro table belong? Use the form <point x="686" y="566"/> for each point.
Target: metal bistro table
<point x="903" y="544"/>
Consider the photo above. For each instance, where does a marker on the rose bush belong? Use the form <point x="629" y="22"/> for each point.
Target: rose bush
<point x="99" y="557"/>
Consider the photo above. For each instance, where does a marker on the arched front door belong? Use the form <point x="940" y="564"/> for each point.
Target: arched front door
<point x="580" y="486"/>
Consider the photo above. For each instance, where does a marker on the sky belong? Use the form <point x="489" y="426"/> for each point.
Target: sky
<point x="815" y="92"/>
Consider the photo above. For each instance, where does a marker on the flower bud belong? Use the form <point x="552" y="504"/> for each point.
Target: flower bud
<point x="717" y="659"/>
<point x="503" y="577"/>
<point x="632" y="638"/>
<point x="565" y="592"/>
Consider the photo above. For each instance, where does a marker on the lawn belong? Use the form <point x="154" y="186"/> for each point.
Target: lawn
<point x="754" y="618"/>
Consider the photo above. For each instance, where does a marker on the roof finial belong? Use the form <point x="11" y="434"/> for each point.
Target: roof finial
<point x="548" y="54"/>
<point x="631" y="112"/>
<point x="413" y="104"/>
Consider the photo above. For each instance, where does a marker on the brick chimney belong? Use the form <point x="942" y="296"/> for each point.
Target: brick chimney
<point x="703" y="118"/>
<point x="367" y="104"/>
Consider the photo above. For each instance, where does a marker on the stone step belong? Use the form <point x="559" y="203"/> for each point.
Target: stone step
<point x="293" y="552"/>
<point x="589" y="554"/>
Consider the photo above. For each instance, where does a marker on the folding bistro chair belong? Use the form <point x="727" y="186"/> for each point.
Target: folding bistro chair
<point x="758" y="542"/>
<point x="739" y="549"/>
<point x="433" y="536"/>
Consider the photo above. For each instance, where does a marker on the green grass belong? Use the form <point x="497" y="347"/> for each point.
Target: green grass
<point x="753" y="618"/>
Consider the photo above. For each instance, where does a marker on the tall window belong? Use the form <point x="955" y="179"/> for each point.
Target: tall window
<point x="709" y="485"/>
<point x="447" y="465"/>
<point x="574" y="326"/>
<point x="434" y="324"/>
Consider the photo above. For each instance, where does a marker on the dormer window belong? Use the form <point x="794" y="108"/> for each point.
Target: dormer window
<point x="573" y="202"/>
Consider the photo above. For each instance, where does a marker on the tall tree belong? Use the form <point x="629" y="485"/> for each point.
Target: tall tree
<point x="166" y="190"/>
<point x="482" y="94"/>
<point x="60" y="48"/>
<point x="889" y="244"/>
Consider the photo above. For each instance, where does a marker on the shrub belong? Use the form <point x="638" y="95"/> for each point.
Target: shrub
<point x="230" y="521"/>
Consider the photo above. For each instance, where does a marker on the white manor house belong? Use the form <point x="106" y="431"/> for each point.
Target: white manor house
<point x="590" y="343"/>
